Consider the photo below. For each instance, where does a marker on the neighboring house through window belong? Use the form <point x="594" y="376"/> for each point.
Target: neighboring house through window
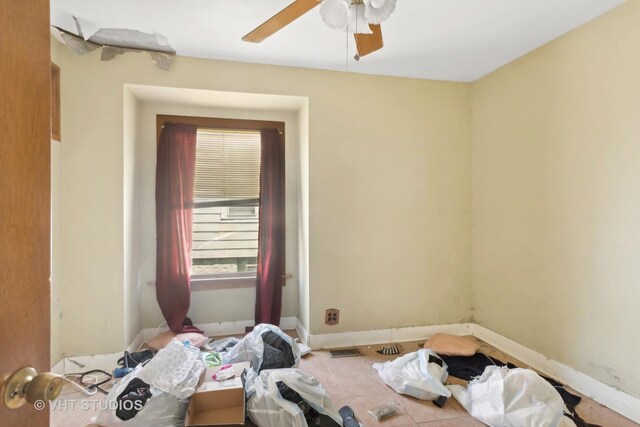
<point x="227" y="189"/>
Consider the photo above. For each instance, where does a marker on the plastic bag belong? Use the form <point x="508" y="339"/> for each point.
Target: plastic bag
<point x="267" y="408"/>
<point x="161" y="410"/>
<point x="251" y="347"/>
<point x="176" y="369"/>
<point x="511" y="398"/>
<point x="414" y="375"/>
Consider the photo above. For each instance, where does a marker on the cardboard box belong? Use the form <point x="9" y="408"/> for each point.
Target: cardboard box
<point x="218" y="403"/>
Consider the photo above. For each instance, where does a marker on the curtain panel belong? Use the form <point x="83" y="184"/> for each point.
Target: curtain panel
<point x="175" y="172"/>
<point x="271" y="246"/>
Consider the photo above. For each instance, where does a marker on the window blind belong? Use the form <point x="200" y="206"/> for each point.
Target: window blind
<point x="227" y="167"/>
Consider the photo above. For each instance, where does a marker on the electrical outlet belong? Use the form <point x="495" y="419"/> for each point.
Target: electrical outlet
<point x="332" y="316"/>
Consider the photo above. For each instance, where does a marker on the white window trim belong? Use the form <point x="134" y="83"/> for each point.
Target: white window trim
<point x="208" y="282"/>
<point x="205" y="282"/>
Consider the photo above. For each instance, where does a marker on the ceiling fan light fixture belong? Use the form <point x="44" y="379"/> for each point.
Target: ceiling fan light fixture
<point x="357" y="22"/>
<point x="335" y="13"/>
<point x="377" y="11"/>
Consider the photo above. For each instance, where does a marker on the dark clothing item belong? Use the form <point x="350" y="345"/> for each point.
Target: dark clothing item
<point x="277" y="352"/>
<point x="579" y="422"/>
<point x="570" y="399"/>
<point x="131" y="360"/>
<point x="467" y="367"/>
<point x="132" y="399"/>
<point x="313" y="417"/>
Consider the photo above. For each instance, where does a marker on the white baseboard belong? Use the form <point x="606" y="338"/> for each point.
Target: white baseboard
<point x="108" y="362"/>
<point x="614" y="399"/>
<point x="223" y="328"/>
<point x="105" y="362"/>
<point x="382" y="336"/>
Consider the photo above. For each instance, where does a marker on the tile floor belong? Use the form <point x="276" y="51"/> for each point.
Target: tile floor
<point x="352" y="381"/>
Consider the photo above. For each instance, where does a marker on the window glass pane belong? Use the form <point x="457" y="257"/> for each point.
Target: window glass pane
<point x="225" y="237"/>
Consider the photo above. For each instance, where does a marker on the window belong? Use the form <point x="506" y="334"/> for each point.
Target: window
<point x="227" y="190"/>
<point x="225" y="217"/>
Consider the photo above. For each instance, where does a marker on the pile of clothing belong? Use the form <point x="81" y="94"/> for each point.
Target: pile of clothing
<point x="498" y="394"/>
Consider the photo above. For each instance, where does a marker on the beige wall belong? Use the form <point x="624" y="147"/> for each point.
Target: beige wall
<point x="92" y="209"/>
<point x="556" y="178"/>
<point x="388" y="200"/>
<point x="389" y="213"/>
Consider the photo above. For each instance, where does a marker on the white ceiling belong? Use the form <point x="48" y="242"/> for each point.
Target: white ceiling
<point x="458" y="40"/>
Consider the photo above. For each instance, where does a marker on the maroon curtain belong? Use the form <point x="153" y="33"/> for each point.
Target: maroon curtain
<point x="271" y="248"/>
<point x="175" y="174"/>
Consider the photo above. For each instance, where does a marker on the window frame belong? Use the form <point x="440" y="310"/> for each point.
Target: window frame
<point x="221" y="280"/>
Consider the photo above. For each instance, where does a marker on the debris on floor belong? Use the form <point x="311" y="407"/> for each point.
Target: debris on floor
<point x="382" y="412"/>
<point x="257" y="379"/>
<point x="389" y="350"/>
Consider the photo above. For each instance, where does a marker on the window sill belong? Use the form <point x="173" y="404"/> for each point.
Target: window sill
<point x="209" y="284"/>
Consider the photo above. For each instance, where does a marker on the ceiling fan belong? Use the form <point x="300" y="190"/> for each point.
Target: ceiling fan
<point x="362" y="18"/>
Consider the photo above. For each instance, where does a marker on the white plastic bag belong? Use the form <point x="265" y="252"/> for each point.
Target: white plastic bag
<point x="267" y="408"/>
<point x="176" y="369"/>
<point x="161" y="410"/>
<point x="412" y="374"/>
<point x="251" y="347"/>
<point x="501" y="397"/>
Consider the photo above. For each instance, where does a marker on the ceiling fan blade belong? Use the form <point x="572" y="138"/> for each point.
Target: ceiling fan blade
<point x="368" y="43"/>
<point x="280" y="20"/>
